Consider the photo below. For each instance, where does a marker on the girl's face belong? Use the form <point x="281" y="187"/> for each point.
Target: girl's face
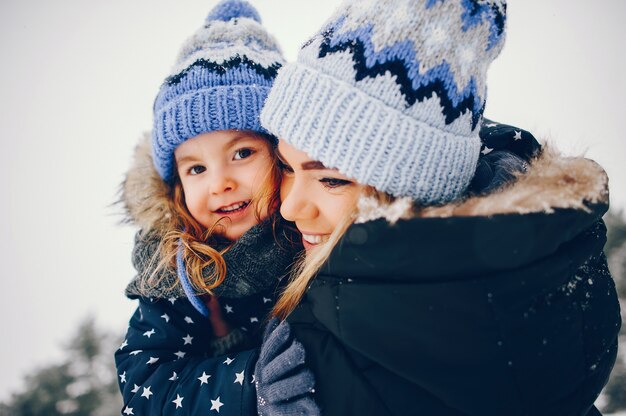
<point x="221" y="172"/>
<point x="313" y="196"/>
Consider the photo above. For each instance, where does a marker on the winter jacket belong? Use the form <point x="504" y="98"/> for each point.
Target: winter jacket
<point x="501" y="304"/>
<point x="170" y="362"/>
<point x="169" y="349"/>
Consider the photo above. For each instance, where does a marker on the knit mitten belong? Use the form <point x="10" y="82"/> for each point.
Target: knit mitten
<point x="284" y="386"/>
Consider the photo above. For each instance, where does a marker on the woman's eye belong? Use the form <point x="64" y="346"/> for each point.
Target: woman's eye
<point x="196" y="170"/>
<point x="334" y="182"/>
<point x="243" y="153"/>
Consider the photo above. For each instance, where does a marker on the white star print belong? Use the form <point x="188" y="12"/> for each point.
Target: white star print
<point x="265" y="300"/>
<point x="122" y="377"/>
<point x="518" y="135"/>
<point x="486" y="150"/>
<point x="166" y="317"/>
<point x="180" y="354"/>
<point x="188" y="320"/>
<point x="178" y="401"/>
<point x="135" y="352"/>
<point x="253" y="378"/>
<point x="491" y="125"/>
<point x="229" y="309"/>
<point x="239" y="378"/>
<point x="216" y="404"/>
<point x="172" y="300"/>
<point x="146" y="392"/>
<point x="254" y="319"/>
<point x="174" y="377"/>
<point x="128" y="411"/>
<point x="187" y="339"/>
<point x="204" y="378"/>
<point x="124" y="344"/>
<point x="152" y="360"/>
<point x="135" y="388"/>
<point x="149" y="333"/>
<point x="228" y="361"/>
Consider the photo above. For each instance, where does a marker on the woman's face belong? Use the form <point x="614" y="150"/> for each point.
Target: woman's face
<point x="313" y="196"/>
<point x="221" y="172"/>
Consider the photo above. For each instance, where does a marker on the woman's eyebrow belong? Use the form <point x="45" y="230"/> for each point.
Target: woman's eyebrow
<point x="313" y="165"/>
<point x="308" y="165"/>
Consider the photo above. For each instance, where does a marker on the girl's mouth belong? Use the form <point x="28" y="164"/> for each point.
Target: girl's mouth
<point x="233" y="208"/>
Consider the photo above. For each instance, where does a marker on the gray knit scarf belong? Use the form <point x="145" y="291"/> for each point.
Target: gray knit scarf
<point x="255" y="263"/>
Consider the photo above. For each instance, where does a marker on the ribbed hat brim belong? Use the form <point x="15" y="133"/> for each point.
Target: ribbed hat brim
<point x="203" y="111"/>
<point x="344" y="128"/>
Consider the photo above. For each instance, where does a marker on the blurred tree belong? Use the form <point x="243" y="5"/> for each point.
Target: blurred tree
<point x="614" y="394"/>
<point x="83" y="384"/>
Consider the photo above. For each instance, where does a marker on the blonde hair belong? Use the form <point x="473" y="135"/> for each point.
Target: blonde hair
<point x="200" y="244"/>
<point x="307" y="268"/>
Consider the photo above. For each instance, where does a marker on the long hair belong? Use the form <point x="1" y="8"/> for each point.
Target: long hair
<point x="204" y="247"/>
<point x="307" y="267"/>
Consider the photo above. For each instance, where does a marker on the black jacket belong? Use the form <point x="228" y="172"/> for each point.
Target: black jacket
<point x="502" y="305"/>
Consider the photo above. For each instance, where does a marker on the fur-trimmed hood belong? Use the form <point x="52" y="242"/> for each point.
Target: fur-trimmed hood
<point x="145" y="196"/>
<point x="551" y="181"/>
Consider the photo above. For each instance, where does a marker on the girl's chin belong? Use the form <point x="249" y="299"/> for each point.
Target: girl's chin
<point x="234" y="232"/>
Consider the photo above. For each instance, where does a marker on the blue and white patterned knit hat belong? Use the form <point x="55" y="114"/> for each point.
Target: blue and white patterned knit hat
<point x="220" y="81"/>
<point x="392" y="92"/>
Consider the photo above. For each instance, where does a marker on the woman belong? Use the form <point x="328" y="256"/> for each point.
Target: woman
<point x="429" y="300"/>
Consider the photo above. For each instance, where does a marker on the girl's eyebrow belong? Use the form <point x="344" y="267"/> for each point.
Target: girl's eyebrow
<point x="188" y="158"/>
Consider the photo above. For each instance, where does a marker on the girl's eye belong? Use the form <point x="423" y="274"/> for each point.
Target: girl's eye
<point x="243" y="153"/>
<point x="196" y="170"/>
<point x="285" y="168"/>
<point x="333" y="183"/>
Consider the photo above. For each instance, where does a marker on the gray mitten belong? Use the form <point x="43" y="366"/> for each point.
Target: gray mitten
<point x="284" y="386"/>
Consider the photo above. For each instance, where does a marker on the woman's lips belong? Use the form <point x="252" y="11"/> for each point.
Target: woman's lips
<point x="310" y="240"/>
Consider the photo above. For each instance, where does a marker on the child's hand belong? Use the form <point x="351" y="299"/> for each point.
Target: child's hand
<point x="220" y="327"/>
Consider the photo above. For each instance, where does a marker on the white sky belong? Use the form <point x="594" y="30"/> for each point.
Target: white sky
<point x="77" y="82"/>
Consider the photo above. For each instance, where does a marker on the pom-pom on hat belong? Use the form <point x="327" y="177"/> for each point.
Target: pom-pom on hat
<point x="392" y="92"/>
<point x="220" y="80"/>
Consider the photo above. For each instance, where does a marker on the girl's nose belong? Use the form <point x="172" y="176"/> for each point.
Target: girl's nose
<point x="221" y="181"/>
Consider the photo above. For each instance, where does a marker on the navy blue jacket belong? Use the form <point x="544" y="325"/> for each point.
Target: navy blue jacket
<point x="166" y="365"/>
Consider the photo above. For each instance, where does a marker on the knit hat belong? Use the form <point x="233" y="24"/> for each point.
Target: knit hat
<point x="391" y="93"/>
<point x="220" y="81"/>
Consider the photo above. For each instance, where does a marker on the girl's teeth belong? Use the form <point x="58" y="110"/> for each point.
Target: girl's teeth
<point x="313" y="239"/>
<point x="233" y="207"/>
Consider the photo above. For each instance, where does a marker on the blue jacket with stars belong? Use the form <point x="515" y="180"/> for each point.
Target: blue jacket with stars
<point x="170" y="362"/>
<point x="166" y="364"/>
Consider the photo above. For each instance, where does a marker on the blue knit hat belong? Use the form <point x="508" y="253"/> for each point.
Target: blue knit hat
<point x="391" y="93"/>
<point x="220" y="81"/>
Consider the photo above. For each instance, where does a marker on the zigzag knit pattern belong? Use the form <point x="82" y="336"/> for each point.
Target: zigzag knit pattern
<point x="221" y="78"/>
<point x="391" y="93"/>
<point x="434" y="81"/>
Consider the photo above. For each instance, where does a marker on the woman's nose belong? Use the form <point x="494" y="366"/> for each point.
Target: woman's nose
<point x="296" y="204"/>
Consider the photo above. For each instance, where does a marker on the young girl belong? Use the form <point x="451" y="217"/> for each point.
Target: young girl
<point x="211" y="251"/>
<point x="417" y="297"/>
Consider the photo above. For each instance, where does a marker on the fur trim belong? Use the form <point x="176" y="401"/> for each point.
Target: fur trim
<point x="144" y="194"/>
<point x="552" y="181"/>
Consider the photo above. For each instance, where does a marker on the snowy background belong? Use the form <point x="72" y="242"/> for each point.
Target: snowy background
<point x="77" y="82"/>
